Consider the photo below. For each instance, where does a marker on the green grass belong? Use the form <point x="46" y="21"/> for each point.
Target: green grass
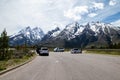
<point x="104" y="51"/>
<point x="4" y="64"/>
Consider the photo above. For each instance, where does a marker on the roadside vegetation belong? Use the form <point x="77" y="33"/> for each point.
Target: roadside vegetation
<point x="10" y="57"/>
<point x="112" y="49"/>
<point x="104" y="51"/>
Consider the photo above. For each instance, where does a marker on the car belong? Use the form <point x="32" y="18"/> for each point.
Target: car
<point x="59" y="49"/>
<point x="43" y="51"/>
<point x="38" y="50"/>
<point x="76" y="50"/>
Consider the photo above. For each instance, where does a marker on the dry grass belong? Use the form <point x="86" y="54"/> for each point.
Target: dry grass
<point x="4" y="64"/>
<point x="104" y="51"/>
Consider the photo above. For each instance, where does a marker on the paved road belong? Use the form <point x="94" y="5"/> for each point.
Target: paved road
<point x="66" y="66"/>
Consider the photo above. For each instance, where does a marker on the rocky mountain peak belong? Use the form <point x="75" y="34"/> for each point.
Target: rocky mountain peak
<point x="31" y="35"/>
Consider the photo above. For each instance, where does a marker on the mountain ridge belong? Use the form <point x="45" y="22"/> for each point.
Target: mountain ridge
<point x="73" y="35"/>
<point x="26" y="35"/>
<point x="94" y="33"/>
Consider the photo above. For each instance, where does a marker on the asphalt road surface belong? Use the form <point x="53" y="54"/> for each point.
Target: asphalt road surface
<point x="66" y="66"/>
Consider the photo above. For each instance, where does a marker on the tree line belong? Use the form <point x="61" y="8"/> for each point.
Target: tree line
<point x="114" y="46"/>
<point x="6" y="52"/>
<point x="4" y="46"/>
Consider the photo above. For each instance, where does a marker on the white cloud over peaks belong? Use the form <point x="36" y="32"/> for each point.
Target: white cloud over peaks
<point x="98" y="5"/>
<point x="76" y="13"/>
<point x="116" y="23"/>
<point x="92" y="14"/>
<point x="112" y="2"/>
<point x="19" y="14"/>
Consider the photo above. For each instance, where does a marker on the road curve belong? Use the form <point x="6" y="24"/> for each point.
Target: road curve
<point x="66" y="66"/>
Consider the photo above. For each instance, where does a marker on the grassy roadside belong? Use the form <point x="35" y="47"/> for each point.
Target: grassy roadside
<point x="104" y="51"/>
<point x="5" y="64"/>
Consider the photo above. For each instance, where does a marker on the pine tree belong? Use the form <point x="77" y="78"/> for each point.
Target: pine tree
<point x="4" y="45"/>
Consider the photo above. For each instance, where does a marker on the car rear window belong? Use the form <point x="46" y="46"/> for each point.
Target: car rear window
<point x="61" y="48"/>
<point x="44" y="49"/>
<point x="76" y="49"/>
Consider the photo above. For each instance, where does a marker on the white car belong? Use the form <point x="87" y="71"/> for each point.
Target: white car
<point x="44" y="51"/>
<point x="58" y="49"/>
<point x="75" y="50"/>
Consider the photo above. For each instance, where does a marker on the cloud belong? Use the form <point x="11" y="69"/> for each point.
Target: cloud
<point x="76" y="13"/>
<point x="18" y="14"/>
<point x="116" y="23"/>
<point x="98" y="5"/>
<point x="112" y="2"/>
<point x="92" y="14"/>
<point x="41" y="13"/>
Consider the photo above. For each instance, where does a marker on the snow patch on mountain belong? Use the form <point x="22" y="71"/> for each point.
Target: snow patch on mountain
<point x="55" y="32"/>
<point x="79" y="31"/>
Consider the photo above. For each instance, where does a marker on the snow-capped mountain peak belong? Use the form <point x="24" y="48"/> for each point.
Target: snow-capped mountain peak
<point x="52" y="34"/>
<point x="56" y="32"/>
<point x="25" y="30"/>
<point x="37" y="33"/>
<point x="37" y="29"/>
<point x="27" y="34"/>
<point x="92" y="28"/>
<point x="92" y="33"/>
<point x="72" y="28"/>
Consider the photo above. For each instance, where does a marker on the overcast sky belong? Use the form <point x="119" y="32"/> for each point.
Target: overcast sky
<point x="18" y="14"/>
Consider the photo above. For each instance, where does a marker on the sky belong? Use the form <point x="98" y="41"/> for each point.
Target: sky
<point x="48" y="14"/>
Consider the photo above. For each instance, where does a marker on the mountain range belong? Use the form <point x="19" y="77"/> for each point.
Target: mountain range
<point x="27" y="36"/>
<point x="73" y="35"/>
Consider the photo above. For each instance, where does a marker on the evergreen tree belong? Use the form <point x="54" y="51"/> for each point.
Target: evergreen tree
<point x="4" y="45"/>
